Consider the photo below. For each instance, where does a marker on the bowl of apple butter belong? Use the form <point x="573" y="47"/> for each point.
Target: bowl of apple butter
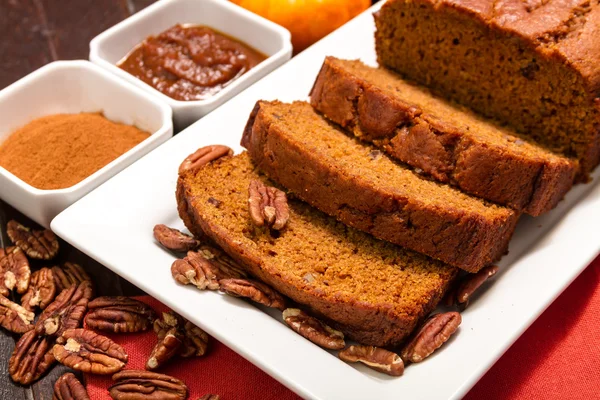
<point x="194" y="55"/>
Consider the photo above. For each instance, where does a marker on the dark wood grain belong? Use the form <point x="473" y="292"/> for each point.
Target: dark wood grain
<point x="23" y="44"/>
<point x="72" y="25"/>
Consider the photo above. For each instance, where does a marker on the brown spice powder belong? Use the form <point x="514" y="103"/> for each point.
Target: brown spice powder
<point x="58" y="151"/>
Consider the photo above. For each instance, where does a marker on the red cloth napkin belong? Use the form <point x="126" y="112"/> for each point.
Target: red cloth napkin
<point x="557" y="358"/>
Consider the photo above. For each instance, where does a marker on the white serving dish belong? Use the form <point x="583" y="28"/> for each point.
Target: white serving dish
<point x="546" y="254"/>
<point x="71" y="87"/>
<point x="111" y="46"/>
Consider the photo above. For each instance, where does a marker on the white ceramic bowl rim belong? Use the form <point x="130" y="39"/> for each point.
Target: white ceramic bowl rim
<point x="8" y="91"/>
<point x="187" y="104"/>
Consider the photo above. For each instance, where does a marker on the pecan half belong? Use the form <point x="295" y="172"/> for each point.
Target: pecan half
<point x="87" y="351"/>
<point x="210" y="397"/>
<point x="31" y="358"/>
<point x="168" y="345"/>
<point x="68" y="275"/>
<point x="41" y="291"/>
<point x="173" y="239"/>
<point x="254" y="290"/>
<point x="176" y="335"/>
<point x="195" y="341"/>
<point x="434" y="333"/>
<point x="203" y="156"/>
<point x="460" y="293"/>
<point x="374" y="357"/>
<point x="15" y="318"/>
<point x="139" y="385"/>
<point x="205" y="267"/>
<point x="119" y="314"/>
<point x="268" y="205"/>
<point x="40" y="245"/>
<point x="68" y="387"/>
<point x="313" y="329"/>
<point x="14" y="270"/>
<point x="66" y="311"/>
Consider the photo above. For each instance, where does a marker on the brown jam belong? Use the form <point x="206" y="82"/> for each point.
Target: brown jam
<point x="190" y="62"/>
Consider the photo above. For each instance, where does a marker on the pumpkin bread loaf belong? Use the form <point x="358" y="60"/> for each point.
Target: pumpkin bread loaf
<point x="444" y="140"/>
<point x="363" y="188"/>
<point x="373" y="291"/>
<point x="534" y="65"/>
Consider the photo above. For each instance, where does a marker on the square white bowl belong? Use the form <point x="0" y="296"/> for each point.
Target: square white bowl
<point x="70" y="87"/>
<point x="111" y="46"/>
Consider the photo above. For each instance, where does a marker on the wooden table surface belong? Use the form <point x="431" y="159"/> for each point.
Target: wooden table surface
<point x="34" y="33"/>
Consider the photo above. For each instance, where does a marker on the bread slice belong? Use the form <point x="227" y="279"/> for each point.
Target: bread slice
<point x="446" y="141"/>
<point x="363" y="188"/>
<point x="533" y="65"/>
<point x="373" y="291"/>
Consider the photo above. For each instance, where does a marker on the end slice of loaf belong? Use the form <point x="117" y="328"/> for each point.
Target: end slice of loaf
<point x="373" y="291"/>
<point x="446" y="141"/>
<point x="533" y="65"/>
<point x="363" y="188"/>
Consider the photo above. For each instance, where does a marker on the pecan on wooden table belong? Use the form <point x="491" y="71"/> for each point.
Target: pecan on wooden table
<point x="37" y="244"/>
<point x="87" y="351"/>
<point x="68" y="387"/>
<point x="376" y="358"/>
<point x="268" y="205"/>
<point x="140" y="385"/>
<point x="14" y="271"/>
<point x="31" y="358"/>
<point x="66" y="311"/>
<point x="254" y="290"/>
<point x="41" y="291"/>
<point x="15" y="318"/>
<point x="313" y="329"/>
<point x="434" y="333"/>
<point x="68" y="275"/>
<point x="119" y="314"/>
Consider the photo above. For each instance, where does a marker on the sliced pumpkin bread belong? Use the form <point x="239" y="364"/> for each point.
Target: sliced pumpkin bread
<point x="445" y="140"/>
<point x="363" y="188"/>
<point x="373" y="291"/>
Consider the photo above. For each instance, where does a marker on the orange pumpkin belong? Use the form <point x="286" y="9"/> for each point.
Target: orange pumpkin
<point x="307" y="20"/>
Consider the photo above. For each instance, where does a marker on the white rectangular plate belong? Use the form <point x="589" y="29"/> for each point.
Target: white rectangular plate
<point x="114" y="225"/>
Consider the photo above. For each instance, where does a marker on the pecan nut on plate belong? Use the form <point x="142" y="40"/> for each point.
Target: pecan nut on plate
<point x="435" y="332"/>
<point x="66" y="311"/>
<point x="119" y="314"/>
<point x="31" y="358"/>
<point x="41" y="291"/>
<point x="268" y="205"/>
<point x="37" y="244"/>
<point x="374" y="357"/>
<point x="15" y="318"/>
<point x="203" y="156"/>
<point x="68" y="387"/>
<point x="68" y="275"/>
<point x="87" y="351"/>
<point x="173" y="239"/>
<point x="14" y="270"/>
<point x="139" y="385"/>
<point x="205" y="267"/>
<point x="313" y="329"/>
<point x="461" y="293"/>
<point x="254" y="290"/>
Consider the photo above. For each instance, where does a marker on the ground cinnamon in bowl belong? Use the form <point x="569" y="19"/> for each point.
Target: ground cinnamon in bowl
<point x="58" y="151"/>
